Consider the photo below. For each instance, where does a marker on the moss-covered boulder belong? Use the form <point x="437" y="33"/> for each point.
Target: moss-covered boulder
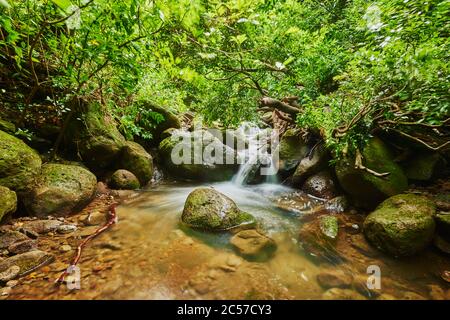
<point x="7" y="126"/>
<point x="124" y="180"/>
<point x="60" y="189"/>
<point x="292" y="149"/>
<point x="210" y="210"/>
<point x="19" y="164"/>
<point x="8" y="202"/>
<point x="425" y="167"/>
<point x="198" y="155"/>
<point x="93" y="135"/>
<point x="402" y="225"/>
<point x="135" y="159"/>
<point x="366" y="189"/>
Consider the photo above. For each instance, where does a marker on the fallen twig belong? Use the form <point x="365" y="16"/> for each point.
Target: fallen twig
<point x="112" y="219"/>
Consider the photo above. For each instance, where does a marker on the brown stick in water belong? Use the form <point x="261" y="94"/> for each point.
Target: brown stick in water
<point x="111" y="220"/>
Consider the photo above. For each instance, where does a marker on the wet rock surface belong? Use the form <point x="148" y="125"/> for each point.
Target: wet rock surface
<point x="124" y="179"/>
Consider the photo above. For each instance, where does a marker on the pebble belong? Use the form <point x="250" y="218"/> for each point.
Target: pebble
<point x="9" y="273"/>
<point x="22" y="246"/>
<point x="5" y="291"/>
<point x="66" y="228"/>
<point x="65" y="248"/>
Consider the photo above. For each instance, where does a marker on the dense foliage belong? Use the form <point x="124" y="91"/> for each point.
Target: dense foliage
<point x="352" y="66"/>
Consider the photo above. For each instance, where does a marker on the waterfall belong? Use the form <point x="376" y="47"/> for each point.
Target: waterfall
<point x="254" y="156"/>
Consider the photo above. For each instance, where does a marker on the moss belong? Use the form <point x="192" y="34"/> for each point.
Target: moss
<point x="424" y="167"/>
<point x="208" y="209"/>
<point x="60" y="189"/>
<point x="94" y="136"/>
<point x="8" y="202"/>
<point x="366" y="189"/>
<point x="329" y="226"/>
<point x="135" y="159"/>
<point x="124" y="180"/>
<point x="7" y="126"/>
<point x="402" y="225"/>
<point x="19" y="164"/>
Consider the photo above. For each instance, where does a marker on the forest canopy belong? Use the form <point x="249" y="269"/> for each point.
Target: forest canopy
<point x="340" y="69"/>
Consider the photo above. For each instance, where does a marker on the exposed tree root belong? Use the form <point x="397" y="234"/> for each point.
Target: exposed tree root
<point x="112" y="219"/>
<point x="359" y="165"/>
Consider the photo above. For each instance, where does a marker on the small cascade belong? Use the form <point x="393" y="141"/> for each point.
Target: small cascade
<point x="255" y="157"/>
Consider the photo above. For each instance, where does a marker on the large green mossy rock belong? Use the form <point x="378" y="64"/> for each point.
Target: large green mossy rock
<point x="195" y="156"/>
<point x="93" y="135"/>
<point x="124" y="180"/>
<point x="7" y="126"/>
<point x="137" y="160"/>
<point x="425" y="167"/>
<point x="366" y="189"/>
<point x="210" y="210"/>
<point x="19" y="164"/>
<point x="292" y="149"/>
<point x="402" y="225"/>
<point x="8" y="202"/>
<point x="60" y="190"/>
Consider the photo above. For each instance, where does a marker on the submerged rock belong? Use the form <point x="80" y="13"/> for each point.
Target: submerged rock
<point x="8" y="202"/>
<point x="402" y="225"/>
<point x="7" y="238"/>
<point x="124" y="180"/>
<point x="27" y="262"/>
<point x="320" y="185"/>
<point x="253" y="245"/>
<point x="425" y="167"/>
<point x="366" y="189"/>
<point x="198" y="155"/>
<point x="334" y="279"/>
<point x="208" y="209"/>
<point x="60" y="189"/>
<point x="342" y="294"/>
<point x="319" y="236"/>
<point x="19" y="164"/>
<point x="135" y="159"/>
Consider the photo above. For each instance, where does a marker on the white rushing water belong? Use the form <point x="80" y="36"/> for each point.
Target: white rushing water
<point x="256" y="156"/>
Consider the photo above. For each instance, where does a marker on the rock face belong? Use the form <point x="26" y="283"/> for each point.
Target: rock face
<point x="402" y="225"/>
<point x="124" y="180"/>
<point x="292" y="149"/>
<point x="320" y="185"/>
<point x="27" y="262"/>
<point x="310" y="165"/>
<point x="208" y="209"/>
<point x="93" y="135"/>
<point x="19" y="164"/>
<point x="135" y="159"/>
<point x="170" y="121"/>
<point x="425" y="167"/>
<point x="8" y="202"/>
<point x="198" y="155"/>
<point x="253" y="245"/>
<point x="60" y="189"/>
<point x="366" y="189"/>
<point x="443" y="224"/>
<point x="319" y="236"/>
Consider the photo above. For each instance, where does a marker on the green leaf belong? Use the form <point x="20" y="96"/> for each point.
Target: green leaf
<point x="63" y="4"/>
<point x="4" y="3"/>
